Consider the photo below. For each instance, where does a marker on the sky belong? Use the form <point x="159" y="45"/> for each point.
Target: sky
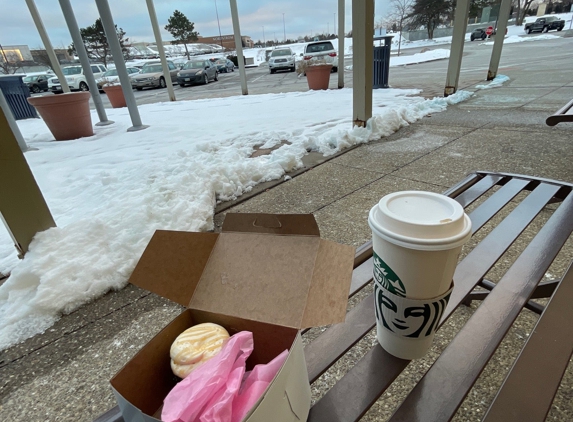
<point x="301" y="17"/>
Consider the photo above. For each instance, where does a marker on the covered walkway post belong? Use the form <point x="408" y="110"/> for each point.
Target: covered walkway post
<point x="47" y="45"/>
<point x="22" y="206"/>
<point x="239" y="46"/>
<point x="341" y="11"/>
<point x="161" y="49"/>
<point x="504" y="9"/>
<point x="457" y="48"/>
<point x="117" y="54"/>
<point x="363" y="52"/>
<point x="84" y="60"/>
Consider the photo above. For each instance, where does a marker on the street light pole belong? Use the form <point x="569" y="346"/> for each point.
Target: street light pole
<point x="264" y="41"/>
<point x="334" y="24"/>
<point x="219" y="25"/>
<point x="284" y="29"/>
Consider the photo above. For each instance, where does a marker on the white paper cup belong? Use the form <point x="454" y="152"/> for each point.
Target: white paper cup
<point x="417" y="238"/>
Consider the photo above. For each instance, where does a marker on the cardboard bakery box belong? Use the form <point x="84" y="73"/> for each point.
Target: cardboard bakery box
<point x="265" y="273"/>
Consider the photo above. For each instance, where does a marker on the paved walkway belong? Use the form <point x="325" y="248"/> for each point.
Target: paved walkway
<point x="63" y="374"/>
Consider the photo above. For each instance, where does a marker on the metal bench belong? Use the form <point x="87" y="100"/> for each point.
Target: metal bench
<point x="564" y="114"/>
<point x="530" y="387"/>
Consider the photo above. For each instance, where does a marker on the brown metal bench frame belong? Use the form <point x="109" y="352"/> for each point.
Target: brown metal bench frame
<point x="564" y="114"/>
<point x="437" y="396"/>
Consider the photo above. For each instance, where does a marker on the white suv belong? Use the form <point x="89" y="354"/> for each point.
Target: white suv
<point x="281" y="59"/>
<point x="322" y="50"/>
<point x="75" y="78"/>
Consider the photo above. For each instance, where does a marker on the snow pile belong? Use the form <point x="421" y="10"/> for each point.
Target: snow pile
<point x="515" y="39"/>
<point x="427" y="56"/>
<point x="108" y="193"/>
<point x="498" y="81"/>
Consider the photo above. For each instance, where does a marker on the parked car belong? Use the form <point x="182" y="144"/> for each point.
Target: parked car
<point x="111" y="76"/>
<point x="151" y="75"/>
<point x="75" y="78"/>
<point x="478" y="34"/>
<point x="282" y="59"/>
<point x="545" y="24"/>
<point x="37" y="83"/>
<point x="323" y="50"/>
<point x="197" y="72"/>
<point x="225" y="65"/>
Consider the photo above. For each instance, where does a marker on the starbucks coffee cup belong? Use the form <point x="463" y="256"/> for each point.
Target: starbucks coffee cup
<point x="416" y="238"/>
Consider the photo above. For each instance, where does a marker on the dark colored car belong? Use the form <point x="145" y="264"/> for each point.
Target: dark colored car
<point x="478" y="34"/>
<point x="37" y="83"/>
<point x="197" y="72"/>
<point x="545" y="24"/>
<point x="225" y="65"/>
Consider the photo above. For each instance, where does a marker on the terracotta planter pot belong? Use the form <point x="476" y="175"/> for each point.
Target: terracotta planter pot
<point x="66" y="115"/>
<point x="318" y="76"/>
<point x="115" y="95"/>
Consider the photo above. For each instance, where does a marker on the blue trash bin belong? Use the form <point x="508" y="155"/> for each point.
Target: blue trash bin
<point x="382" y="62"/>
<point x="16" y="91"/>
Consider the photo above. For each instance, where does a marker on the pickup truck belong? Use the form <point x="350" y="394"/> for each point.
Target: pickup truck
<point x="545" y="24"/>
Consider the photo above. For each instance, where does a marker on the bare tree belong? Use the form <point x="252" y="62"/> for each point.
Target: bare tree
<point x="521" y="8"/>
<point x="401" y="10"/>
<point x="9" y="61"/>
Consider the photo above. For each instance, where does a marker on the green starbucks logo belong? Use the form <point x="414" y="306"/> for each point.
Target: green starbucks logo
<point x="387" y="278"/>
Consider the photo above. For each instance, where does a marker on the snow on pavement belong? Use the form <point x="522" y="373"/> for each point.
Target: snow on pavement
<point x="426" y="56"/>
<point x="108" y="193"/>
<point x="515" y="39"/>
<point x="498" y="81"/>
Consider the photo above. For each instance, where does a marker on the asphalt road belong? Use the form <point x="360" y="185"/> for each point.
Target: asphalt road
<point x="429" y="77"/>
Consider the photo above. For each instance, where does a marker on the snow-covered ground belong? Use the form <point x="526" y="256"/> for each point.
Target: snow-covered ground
<point x="516" y="39"/>
<point x="427" y="56"/>
<point x="109" y="192"/>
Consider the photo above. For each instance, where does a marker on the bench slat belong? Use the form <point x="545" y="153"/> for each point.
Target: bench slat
<point x="496" y="202"/>
<point x="529" y="389"/>
<point x="472" y="193"/>
<point x="479" y="261"/>
<point x="443" y="388"/>
<point x="333" y="343"/>
<point x="367" y="381"/>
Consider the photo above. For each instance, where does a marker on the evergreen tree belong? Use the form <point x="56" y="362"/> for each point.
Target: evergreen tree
<point x="96" y="43"/>
<point x="430" y="14"/>
<point x="182" y="29"/>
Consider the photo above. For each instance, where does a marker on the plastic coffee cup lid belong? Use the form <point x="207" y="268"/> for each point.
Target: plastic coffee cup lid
<point x="420" y="220"/>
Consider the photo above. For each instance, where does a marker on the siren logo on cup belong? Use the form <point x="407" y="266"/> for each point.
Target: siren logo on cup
<point x="408" y="321"/>
<point x="387" y="278"/>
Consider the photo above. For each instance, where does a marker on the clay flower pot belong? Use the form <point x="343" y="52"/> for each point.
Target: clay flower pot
<point x="318" y="76"/>
<point x="66" y="115"/>
<point x="115" y="95"/>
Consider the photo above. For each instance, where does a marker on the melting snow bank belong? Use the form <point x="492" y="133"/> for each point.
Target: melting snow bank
<point x="426" y="56"/>
<point x="516" y="38"/>
<point x="109" y="192"/>
<point x="498" y="81"/>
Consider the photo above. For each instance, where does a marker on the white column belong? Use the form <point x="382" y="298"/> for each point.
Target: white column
<point x="504" y="9"/>
<point x="341" y="43"/>
<point x="161" y="49"/>
<point x="84" y="60"/>
<point x="47" y="45"/>
<point x="363" y="52"/>
<point x="457" y="48"/>
<point x="117" y="54"/>
<point x="239" y="46"/>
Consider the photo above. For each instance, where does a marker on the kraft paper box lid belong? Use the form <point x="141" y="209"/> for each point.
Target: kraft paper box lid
<point x="271" y="268"/>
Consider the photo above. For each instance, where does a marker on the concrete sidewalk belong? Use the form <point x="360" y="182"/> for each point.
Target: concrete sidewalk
<point x="63" y="374"/>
